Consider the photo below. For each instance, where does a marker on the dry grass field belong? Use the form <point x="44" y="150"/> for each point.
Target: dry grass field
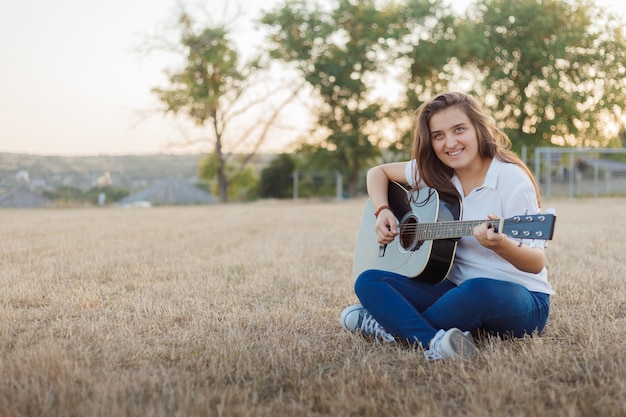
<point x="232" y="310"/>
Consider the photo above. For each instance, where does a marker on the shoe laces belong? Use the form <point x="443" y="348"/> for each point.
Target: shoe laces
<point x="456" y="345"/>
<point x="369" y="325"/>
<point x="434" y="352"/>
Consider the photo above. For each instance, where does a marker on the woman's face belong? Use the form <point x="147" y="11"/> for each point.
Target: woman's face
<point x="453" y="138"/>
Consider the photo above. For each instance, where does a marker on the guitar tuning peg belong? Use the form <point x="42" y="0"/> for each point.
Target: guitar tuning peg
<point x="551" y="210"/>
<point x="526" y="216"/>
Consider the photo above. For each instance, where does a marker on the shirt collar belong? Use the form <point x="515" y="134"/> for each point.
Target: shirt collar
<point x="491" y="179"/>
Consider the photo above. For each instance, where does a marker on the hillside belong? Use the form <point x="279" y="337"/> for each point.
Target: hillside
<point x="126" y="171"/>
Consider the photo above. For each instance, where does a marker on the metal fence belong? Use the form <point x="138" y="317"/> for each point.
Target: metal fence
<point x="581" y="172"/>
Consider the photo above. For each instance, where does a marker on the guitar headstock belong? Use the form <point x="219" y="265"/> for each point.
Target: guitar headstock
<point x="526" y="226"/>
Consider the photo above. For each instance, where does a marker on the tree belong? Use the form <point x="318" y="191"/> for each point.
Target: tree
<point x="277" y="178"/>
<point x="69" y="194"/>
<point x="344" y="55"/>
<point x="214" y="89"/>
<point x="553" y="71"/>
<point x="242" y="183"/>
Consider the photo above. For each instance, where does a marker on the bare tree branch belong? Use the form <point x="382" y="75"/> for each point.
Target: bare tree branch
<point x="268" y="125"/>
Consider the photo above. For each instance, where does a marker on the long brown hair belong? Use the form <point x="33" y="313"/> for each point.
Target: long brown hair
<point x="492" y="142"/>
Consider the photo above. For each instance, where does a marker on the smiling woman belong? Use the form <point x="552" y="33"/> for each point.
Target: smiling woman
<point x="455" y="143"/>
<point x="459" y="152"/>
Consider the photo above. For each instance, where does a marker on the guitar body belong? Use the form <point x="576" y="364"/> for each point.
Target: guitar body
<point x="426" y="260"/>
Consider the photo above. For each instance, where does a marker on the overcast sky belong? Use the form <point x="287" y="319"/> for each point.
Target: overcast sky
<point x="71" y="82"/>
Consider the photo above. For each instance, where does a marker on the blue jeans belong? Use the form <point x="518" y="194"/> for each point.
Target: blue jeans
<point x="415" y="311"/>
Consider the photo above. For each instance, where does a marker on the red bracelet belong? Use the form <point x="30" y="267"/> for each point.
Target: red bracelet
<point x="381" y="208"/>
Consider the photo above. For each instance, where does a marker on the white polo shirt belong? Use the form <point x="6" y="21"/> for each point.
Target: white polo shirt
<point x="506" y="192"/>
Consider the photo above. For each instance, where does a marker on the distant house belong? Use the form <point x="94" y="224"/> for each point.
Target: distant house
<point x="23" y="197"/>
<point x="168" y="192"/>
<point x="608" y="166"/>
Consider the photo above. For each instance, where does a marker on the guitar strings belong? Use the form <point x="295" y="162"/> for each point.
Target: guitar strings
<point x="442" y="230"/>
<point x="456" y="229"/>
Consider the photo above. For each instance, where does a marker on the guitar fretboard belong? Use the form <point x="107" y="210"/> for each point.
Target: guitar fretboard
<point x="448" y="230"/>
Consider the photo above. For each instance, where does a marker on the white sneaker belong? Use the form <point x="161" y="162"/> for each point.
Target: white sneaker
<point x="358" y="320"/>
<point x="451" y="344"/>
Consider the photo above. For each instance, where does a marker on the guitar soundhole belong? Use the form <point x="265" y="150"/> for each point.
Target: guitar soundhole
<point x="408" y="233"/>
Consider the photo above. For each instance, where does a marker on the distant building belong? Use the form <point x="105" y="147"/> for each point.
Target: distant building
<point x="168" y="192"/>
<point x="23" y="197"/>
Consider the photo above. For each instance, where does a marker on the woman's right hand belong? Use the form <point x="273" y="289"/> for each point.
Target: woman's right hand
<point x="378" y="179"/>
<point x="386" y="226"/>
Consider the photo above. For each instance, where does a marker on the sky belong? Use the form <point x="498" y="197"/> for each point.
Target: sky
<point x="72" y="81"/>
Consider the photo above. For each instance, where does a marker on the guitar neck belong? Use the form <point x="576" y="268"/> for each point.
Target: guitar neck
<point x="451" y="229"/>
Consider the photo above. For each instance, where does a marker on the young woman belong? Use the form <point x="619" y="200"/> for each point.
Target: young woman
<point x="495" y="284"/>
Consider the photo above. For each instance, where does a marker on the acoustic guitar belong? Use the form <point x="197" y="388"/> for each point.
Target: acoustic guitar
<point x="428" y="231"/>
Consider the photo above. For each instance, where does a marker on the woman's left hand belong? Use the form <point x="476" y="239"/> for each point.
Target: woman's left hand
<point x="486" y="235"/>
<point x="523" y="257"/>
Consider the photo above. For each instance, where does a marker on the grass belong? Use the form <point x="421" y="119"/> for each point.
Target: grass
<point x="232" y="310"/>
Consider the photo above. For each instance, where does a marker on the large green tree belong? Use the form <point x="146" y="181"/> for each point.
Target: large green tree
<point x="213" y="89"/>
<point x="552" y="71"/>
<point x="346" y="54"/>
